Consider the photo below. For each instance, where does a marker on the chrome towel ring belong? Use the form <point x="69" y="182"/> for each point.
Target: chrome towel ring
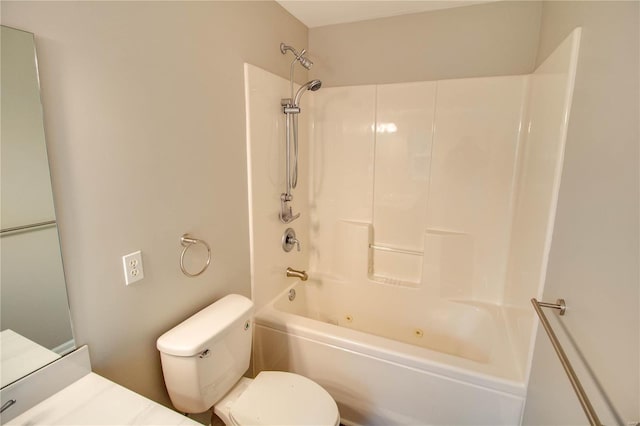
<point x="187" y="241"/>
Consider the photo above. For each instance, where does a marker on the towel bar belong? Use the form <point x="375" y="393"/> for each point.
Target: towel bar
<point x="30" y="226"/>
<point x="573" y="378"/>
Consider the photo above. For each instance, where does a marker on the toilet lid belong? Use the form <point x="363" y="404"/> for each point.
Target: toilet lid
<point x="280" y="398"/>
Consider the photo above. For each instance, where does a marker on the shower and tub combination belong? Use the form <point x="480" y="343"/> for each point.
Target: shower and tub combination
<point x="426" y="216"/>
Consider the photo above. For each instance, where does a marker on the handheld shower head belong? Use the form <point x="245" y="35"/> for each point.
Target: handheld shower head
<point x="304" y="61"/>
<point x="312" y="85"/>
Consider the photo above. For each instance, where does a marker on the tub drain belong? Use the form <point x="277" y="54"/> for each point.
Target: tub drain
<point x="418" y="333"/>
<point x="349" y="318"/>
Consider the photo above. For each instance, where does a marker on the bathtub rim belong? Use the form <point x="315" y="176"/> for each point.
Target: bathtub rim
<point x="406" y="355"/>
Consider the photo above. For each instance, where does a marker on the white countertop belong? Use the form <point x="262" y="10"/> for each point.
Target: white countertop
<point x="94" y="400"/>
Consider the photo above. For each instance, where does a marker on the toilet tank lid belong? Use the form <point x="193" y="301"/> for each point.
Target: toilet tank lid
<point x="192" y="336"/>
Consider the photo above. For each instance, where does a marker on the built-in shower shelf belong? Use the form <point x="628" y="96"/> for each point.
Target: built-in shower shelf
<point x="438" y="231"/>
<point x="396" y="249"/>
<point x="396" y="266"/>
<point x="380" y="279"/>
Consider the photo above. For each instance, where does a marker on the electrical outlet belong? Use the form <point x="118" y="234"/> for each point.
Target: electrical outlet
<point x="132" y="264"/>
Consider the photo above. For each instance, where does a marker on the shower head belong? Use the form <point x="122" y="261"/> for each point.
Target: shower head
<point x="312" y="85"/>
<point x="304" y="61"/>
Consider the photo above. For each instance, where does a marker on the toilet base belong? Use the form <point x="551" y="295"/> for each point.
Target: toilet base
<point x="223" y="408"/>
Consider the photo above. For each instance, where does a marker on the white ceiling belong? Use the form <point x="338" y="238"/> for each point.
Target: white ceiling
<point x="317" y="13"/>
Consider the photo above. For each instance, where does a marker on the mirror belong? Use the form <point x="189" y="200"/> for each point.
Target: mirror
<point x="34" y="311"/>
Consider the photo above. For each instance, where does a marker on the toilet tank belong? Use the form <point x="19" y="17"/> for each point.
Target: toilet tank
<point x="204" y="356"/>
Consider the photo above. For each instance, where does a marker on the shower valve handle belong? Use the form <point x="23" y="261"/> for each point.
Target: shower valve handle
<point x="296" y="242"/>
<point x="289" y="240"/>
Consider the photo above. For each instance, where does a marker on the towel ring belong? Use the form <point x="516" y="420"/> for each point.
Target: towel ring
<point x="187" y="241"/>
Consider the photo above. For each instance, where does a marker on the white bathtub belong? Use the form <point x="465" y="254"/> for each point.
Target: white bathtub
<point x="445" y="363"/>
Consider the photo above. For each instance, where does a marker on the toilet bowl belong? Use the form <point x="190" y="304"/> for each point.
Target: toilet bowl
<point x="204" y="359"/>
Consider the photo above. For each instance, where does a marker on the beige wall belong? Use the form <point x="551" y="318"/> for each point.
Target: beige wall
<point x="484" y="40"/>
<point x="145" y="122"/>
<point x="593" y="262"/>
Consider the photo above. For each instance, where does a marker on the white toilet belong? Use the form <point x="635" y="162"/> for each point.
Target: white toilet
<point x="205" y="357"/>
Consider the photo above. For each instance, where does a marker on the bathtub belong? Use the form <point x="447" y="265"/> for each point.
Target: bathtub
<point x="388" y="361"/>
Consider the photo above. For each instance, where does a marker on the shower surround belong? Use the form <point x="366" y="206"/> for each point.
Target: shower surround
<point x="427" y="213"/>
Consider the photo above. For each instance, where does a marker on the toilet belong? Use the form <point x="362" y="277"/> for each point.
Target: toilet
<point x="203" y="362"/>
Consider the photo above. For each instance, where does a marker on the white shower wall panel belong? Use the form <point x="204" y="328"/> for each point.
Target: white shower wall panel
<point x="538" y="186"/>
<point x="341" y="166"/>
<point x="403" y="144"/>
<point x="476" y="140"/>
<point x="431" y="166"/>
<point x="549" y="106"/>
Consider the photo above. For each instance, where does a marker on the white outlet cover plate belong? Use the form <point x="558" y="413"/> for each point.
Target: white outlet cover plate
<point x="133" y="270"/>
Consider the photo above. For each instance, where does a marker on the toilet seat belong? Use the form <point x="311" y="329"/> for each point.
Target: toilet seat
<point x="281" y="398"/>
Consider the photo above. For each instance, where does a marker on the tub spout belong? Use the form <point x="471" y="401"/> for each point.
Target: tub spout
<point x="297" y="274"/>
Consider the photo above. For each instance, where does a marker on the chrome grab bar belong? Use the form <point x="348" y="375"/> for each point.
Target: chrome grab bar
<point x="573" y="378"/>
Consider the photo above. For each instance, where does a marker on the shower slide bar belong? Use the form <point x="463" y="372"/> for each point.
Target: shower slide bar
<point x="30" y="226"/>
<point x="396" y="250"/>
<point x="573" y="378"/>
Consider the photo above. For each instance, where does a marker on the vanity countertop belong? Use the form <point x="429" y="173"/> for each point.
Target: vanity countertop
<point x="94" y="400"/>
